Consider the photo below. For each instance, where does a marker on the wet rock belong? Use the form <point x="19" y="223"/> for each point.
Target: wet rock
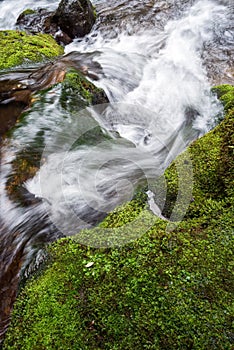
<point x="38" y="21"/>
<point x="73" y="18"/>
<point x="16" y="96"/>
<point x="17" y="88"/>
<point x="9" y="114"/>
<point x="9" y="277"/>
<point x="41" y="21"/>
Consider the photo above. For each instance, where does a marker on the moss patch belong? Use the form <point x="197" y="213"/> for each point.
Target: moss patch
<point x="18" y="47"/>
<point x="165" y="290"/>
<point x="226" y="95"/>
<point x="79" y="92"/>
<point x="213" y="163"/>
<point x="27" y="12"/>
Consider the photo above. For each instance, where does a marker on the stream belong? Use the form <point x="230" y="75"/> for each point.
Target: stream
<point x="157" y="62"/>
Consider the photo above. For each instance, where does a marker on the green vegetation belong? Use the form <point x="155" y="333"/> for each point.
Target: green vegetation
<point x="78" y="92"/>
<point x="213" y="163"/>
<point x="226" y="95"/>
<point x="27" y="12"/>
<point x="18" y="47"/>
<point x="94" y="11"/>
<point x="165" y="290"/>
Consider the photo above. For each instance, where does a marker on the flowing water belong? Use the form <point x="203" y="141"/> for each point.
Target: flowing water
<point x="156" y="61"/>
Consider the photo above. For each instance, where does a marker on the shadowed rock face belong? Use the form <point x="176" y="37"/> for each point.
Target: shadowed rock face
<point x="72" y="19"/>
<point x="75" y="18"/>
<point x="10" y="112"/>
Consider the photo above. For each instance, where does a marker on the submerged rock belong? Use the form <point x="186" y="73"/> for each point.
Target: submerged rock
<point x="76" y="93"/>
<point x="17" y="88"/>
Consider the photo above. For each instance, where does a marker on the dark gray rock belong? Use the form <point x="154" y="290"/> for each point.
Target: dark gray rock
<point x="75" y="17"/>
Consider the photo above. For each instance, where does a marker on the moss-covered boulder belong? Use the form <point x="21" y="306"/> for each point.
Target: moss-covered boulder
<point x="18" y="48"/>
<point x="165" y="290"/>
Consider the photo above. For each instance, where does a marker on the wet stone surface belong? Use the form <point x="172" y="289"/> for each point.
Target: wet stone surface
<point x="71" y="19"/>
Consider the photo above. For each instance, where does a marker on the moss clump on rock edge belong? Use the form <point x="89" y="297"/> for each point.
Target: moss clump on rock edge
<point x="18" y="47"/>
<point x="166" y="290"/>
<point x="27" y="12"/>
<point x="78" y="92"/>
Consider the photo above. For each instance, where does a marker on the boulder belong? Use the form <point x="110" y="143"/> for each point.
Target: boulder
<point x="75" y="17"/>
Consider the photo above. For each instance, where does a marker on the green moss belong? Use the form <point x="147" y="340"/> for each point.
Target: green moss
<point x="126" y="213"/>
<point x="161" y="292"/>
<point x="226" y="95"/>
<point x="18" y="48"/>
<point x="76" y="86"/>
<point x="164" y="290"/>
<point x="94" y="11"/>
<point x="27" y="12"/>
<point x="213" y="163"/>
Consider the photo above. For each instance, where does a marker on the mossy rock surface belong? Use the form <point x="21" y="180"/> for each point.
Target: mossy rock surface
<point x="165" y="290"/>
<point x="78" y="92"/>
<point x="213" y="162"/>
<point x="18" y="47"/>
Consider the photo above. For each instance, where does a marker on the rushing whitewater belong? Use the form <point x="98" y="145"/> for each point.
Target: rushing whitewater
<point x="160" y="101"/>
